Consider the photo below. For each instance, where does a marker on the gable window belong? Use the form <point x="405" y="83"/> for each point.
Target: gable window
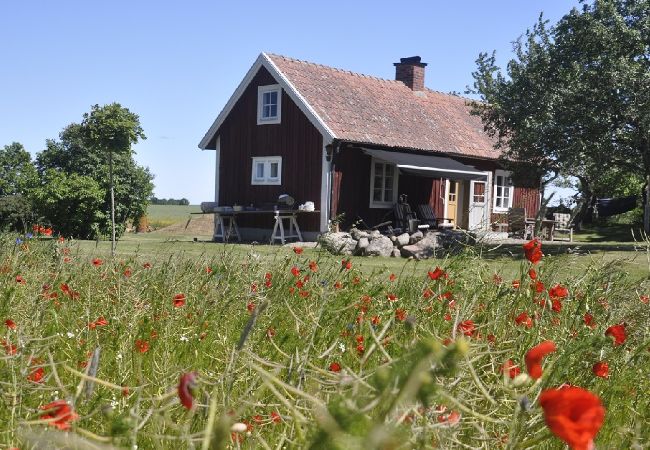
<point x="267" y="170"/>
<point x="503" y="190"/>
<point x="269" y="104"/>
<point x="383" y="184"/>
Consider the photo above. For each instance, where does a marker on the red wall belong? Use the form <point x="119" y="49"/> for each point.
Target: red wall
<point x="295" y="139"/>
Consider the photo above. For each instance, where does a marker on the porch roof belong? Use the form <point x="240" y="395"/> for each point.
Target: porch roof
<point x="428" y="165"/>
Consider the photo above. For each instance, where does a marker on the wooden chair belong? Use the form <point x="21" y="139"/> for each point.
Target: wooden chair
<point x="563" y="225"/>
<point x="519" y="225"/>
<point x="404" y="217"/>
<point x="428" y="216"/>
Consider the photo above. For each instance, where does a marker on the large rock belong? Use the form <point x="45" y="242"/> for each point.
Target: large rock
<point x="396" y="253"/>
<point x="416" y="237"/>
<point x="339" y="243"/>
<point x="424" y="249"/>
<point x="374" y="234"/>
<point x="362" y="244"/>
<point x="403" y="239"/>
<point x="358" y="234"/>
<point x="380" y="246"/>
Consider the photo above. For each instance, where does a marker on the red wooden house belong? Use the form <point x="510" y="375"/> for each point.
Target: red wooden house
<point x="352" y="143"/>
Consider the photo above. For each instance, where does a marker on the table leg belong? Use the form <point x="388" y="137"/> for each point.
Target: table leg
<point x="295" y="224"/>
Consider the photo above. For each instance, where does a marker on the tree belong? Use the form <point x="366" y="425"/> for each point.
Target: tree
<point x="575" y="100"/>
<point x="75" y="153"/>
<point x="17" y="173"/>
<point x="112" y="129"/>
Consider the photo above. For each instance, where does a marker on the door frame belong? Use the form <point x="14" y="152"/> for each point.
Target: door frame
<point x="487" y="211"/>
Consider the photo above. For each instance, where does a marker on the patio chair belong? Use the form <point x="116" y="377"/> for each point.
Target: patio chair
<point x="563" y="225"/>
<point x="519" y="225"/>
<point x="405" y="218"/>
<point x="428" y="216"/>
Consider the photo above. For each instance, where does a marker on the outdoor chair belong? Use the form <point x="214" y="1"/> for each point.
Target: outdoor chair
<point x="519" y="225"/>
<point x="428" y="216"/>
<point x="405" y="218"/>
<point x="563" y="225"/>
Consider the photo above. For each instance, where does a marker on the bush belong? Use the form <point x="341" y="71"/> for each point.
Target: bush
<point x="16" y="213"/>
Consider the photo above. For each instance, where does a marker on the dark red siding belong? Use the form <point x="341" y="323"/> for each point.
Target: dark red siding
<point x="295" y="139"/>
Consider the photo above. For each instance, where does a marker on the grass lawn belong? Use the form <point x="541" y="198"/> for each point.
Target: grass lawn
<point x="183" y="344"/>
<point x="161" y="216"/>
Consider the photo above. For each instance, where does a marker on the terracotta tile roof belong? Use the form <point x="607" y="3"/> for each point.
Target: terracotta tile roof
<point x="371" y="110"/>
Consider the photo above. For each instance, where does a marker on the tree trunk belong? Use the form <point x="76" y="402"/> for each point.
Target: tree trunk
<point x="646" y="206"/>
<point x="110" y="176"/>
<point x="585" y="205"/>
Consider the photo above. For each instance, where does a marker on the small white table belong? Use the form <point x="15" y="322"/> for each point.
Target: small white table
<point x="278" y="233"/>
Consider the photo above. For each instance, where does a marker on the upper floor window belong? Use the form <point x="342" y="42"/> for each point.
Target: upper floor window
<point x="503" y="190"/>
<point x="267" y="170"/>
<point x="269" y="104"/>
<point x="383" y="184"/>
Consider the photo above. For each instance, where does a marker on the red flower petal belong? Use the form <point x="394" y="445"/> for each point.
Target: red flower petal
<point x="534" y="358"/>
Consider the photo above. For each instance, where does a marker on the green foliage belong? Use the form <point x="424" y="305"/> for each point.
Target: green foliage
<point x="72" y="203"/>
<point x="16" y="213"/>
<point x="576" y="99"/>
<point x="17" y="173"/>
<point x="83" y="149"/>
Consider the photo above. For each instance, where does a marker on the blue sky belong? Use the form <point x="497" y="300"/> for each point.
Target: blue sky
<point x="177" y="63"/>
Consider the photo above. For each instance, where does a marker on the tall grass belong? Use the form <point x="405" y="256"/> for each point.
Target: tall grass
<point x="266" y="349"/>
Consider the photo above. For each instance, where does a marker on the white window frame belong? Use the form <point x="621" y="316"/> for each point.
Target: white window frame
<point x="266" y="179"/>
<point x="386" y="203"/>
<point x="261" y="90"/>
<point x="510" y="189"/>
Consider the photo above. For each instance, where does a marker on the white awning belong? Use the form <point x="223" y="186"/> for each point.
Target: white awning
<point x="428" y="165"/>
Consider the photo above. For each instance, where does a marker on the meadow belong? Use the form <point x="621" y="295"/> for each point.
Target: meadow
<point x="193" y="345"/>
<point x="160" y="216"/>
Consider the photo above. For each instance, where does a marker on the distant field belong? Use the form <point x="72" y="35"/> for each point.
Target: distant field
<point x="161" y="216"/>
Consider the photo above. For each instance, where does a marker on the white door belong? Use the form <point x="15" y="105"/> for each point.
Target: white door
<point x="478" y="205"/>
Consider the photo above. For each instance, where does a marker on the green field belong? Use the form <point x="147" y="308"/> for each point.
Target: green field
<point x="298" y="351"/>
<point x="161" y="216"/>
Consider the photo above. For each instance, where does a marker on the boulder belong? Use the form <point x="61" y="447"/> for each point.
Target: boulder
<point x="424" y="249"/>
<point x="403" y="239"/>
<point x="380" y="246"/>
<point x="358" y="234"/>
<point x="338" y="243"/>
<point x="374" y="234"/>
<point x="362" y="244"/>
<point x="416" y="237"/>
<point x="396" y="253"/>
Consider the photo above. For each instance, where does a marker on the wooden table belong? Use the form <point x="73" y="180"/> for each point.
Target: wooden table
<point x="546" y="229"/>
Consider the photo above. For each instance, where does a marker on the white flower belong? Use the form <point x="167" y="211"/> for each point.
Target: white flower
<point x="119" y="356"/>
<point x="342" y="347"/>
<point x="184" y="338"/>
<point x="70" y="334"/>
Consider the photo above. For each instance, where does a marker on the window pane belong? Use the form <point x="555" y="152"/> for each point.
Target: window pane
<point x="273" y="111"/>
<point x="266" y="111"/>
<point x="274" y="170"/>
<point x="388" y="195"/>
<point x="389" y="170"/>
<point x="266" y="98"/>
<point x="376" y="195"/>
<point x="273" y="97"/>
<point x="388" y="183"/>
<point x="259" y="171"/>
<point x="378" y="183"/>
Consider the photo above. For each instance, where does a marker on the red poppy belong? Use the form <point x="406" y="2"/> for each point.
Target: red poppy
<point x="10" y="348"/>
<point x="360" y="349"/>
<point x="142" y="346"/>
<point x="346" y="264"/>
<point x="467" y="327"/>
<point x="59" y="414"/>
<point x="491" y="338"/>
<point x="391" y="297"/>
<point x="147" y="265"/>
<point x="186" y="385"/>
<point x="510" y="368"/>
<point x="644" y="299"/>
<point x="335" y="367"/>
<point x="36" y="375"/>
<point x="179" y="300"/>
<point x="556" y="305"/>
<point x="558" y="291"/>
<point x="10" y="324"/>
<point x="295" y="271"/>
<point x="497" y="279"/>
<point x="447" y="317"/>
<point x="573" y="414"/>
<point x="101" y="322"/>
<point x="400" y="314"/>
<point x="356" y="280"/>
<point x="127" y="272"/>
<point x="532" y="274"/>
<point x="437" y="273"/>
<point x="275" y="417"/>
<point x="618" y="333"/>
<point x="538" y="286"/>
<point x="601" y="369"/>
<point x="533" y="251"/>
<point x="304" y="294"/>
<point x="270" y="332"/>
<point x="392" y="277"/>
<point x="297" y="250"/>
<point x="97" y="262"/>
<point x="589" y="320"/>
<point x="534" y="358"/>
<point x="524" y="319"/>
<point x="451" y="419"/>
<point x="313" y="266"/>
<point x="427" y="293"/>
<point x="20" y="279"/>
<point x="515" y="284"/>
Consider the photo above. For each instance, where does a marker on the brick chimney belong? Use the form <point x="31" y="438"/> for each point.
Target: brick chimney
<point x="410" y="71"/>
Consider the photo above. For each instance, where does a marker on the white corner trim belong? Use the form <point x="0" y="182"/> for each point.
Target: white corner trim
<point x="290" y="89"/>
<point x="325" y="188"/>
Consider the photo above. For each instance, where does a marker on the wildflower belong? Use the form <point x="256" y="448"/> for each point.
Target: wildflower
<point x="297" y="250"/>
<point x="447" y="317"/>
<point x="346" y="264"/>
<point x="400" y="314"/>
<point x="142" y="346"/>
<point x="450" y="419"/>
<point x="556" y="305"/>
<point x="295" y="271"/>
<point x="19" y="241"/>
<point x="338" y="285"/>
<point x="491" y="338"/>
<point x="335" y="367"/>
<point x="356" y="280"/>
<point x="645" y="299"/>
<point x="497" y="279"/>
<point x="539" y="287"/>
<point x="97" y="262"/>
<point x="179" y="300"/>
<point x="10" y="348"/>
<point x="532" y="274"/>
<point x="10" y="324"/>
<point x="127" y="272"/>
<point x="20" y="279"/>
<point x="558" y="291"/>
<point x="275" y="417"/>
<point x="59" y="414"/>
<point x="313" y="266"/>
<point x="618" y="333"/>
<point x="360" y="349"/>
<point x="515" y="284"/>
<point x="437" y="273"/>
<point x="524" y="319"/>
<point x="427" y="293"/>
<point x="304" y="294"/>
<point x="208" y="270"/>
<point x="146" y="265"/>
<point x="375" y="320"/>
<point x="533" y="251"/>
<point x="601" y="369"/>
<point x="250" y="307"/>
<point x="534" y="358"/>
<point x="186" y="385"/>
<point x="510" y="368"/>
<point x="467" y="327"/>
<point x="573" y="414"/>
<point x="391" y="297"/>
<point x="392" y="277"/>
<point x="589" y="320"/>
<point x="270" y="332"/>
<point x="36" y="375"/>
